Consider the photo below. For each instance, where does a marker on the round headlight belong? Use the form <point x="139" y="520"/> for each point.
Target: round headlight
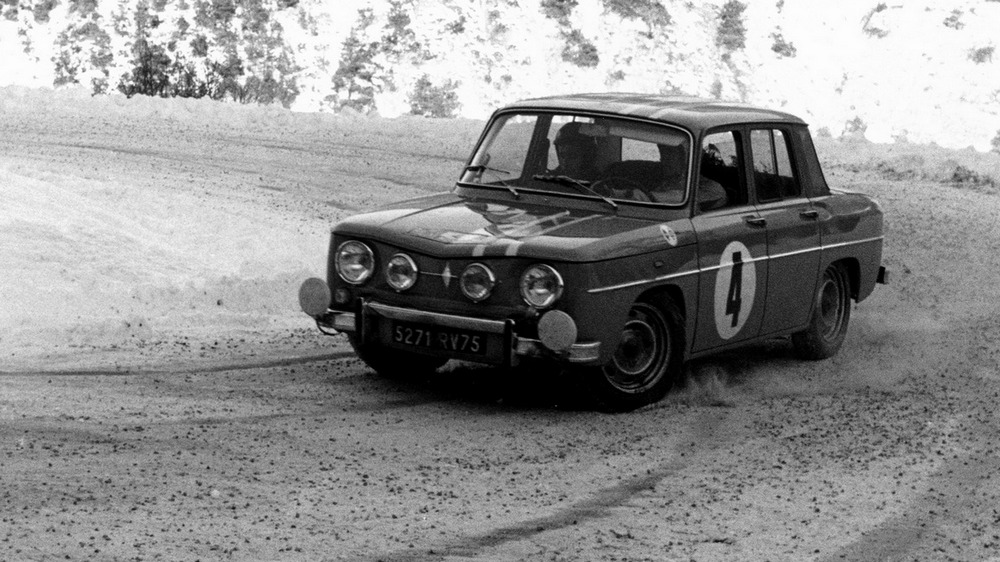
<point x="401" y="272"/>
<point x="355" y="262"/>
<point x="477" y="282"/>
<point x="541" y="285"/>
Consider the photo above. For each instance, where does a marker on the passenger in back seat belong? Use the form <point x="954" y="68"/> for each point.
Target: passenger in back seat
<point x="711" y="194"/>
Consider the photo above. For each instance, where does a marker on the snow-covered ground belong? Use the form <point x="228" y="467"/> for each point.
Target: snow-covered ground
<point x="128" y="220"/>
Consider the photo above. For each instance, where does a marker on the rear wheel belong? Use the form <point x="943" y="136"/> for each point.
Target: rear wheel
<point x="647" y="362"/>
<point x="392" y="363"/>
<point x="831" y="314"/>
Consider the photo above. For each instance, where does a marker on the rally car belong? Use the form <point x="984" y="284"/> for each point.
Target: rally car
<point x="616" y="235"/>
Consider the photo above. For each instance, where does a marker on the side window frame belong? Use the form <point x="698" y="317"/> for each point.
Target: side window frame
<point x="790" y="149"/>
<point x="740" y="140"/>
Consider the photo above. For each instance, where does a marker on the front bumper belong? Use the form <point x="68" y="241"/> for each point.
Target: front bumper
<point x="516" y="346"/>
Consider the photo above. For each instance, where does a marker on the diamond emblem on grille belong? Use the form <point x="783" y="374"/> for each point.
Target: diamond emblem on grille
<point x="446" y="275"/>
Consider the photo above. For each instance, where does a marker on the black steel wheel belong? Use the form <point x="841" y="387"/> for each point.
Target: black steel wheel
<point x="830" y="316"/>
<point x="647" y="362"/>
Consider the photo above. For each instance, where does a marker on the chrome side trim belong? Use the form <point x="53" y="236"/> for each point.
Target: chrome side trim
<point x="435" y="318"/>
<point x="717" y="267"/>
<point x="796" y="253"/>
<point x="643" y="281"/>
<point x="852" y="243"/>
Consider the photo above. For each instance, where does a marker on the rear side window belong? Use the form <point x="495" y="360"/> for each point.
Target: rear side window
<point x="774" y="177"/>
<point x="720" y="182"/>
<point x="808" y="163"/>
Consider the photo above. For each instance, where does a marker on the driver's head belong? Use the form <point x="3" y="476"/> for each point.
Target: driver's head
<point x="575" y="150"/>
<point x="674" y="160"/>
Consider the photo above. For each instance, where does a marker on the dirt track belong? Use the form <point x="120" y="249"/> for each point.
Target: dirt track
<point x="252" y="447"/>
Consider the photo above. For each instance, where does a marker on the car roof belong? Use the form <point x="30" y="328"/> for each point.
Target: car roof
<point x="694" y="113"/>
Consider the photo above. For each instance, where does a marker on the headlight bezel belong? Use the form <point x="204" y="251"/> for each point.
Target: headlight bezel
<point x="529" y="278"/>
<point x="410" y="280"/>
<point x="490" y="276"/>
<point x="362" y="249"/>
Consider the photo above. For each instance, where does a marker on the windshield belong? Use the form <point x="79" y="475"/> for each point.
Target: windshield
<point x="608" y="158"/>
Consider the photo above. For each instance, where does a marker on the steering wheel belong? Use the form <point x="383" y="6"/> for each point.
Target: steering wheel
<point x="605" y="186"/>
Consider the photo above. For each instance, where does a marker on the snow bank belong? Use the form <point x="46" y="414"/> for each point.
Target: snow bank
<point x="129" y="221"/>
<point x="113" y="231"/>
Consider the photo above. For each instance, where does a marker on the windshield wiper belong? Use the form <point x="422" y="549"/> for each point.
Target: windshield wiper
<point x="481" y="168"/>
<point x="580" y="185"/>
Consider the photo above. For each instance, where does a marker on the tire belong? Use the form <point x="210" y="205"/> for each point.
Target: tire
<point x="830" y="316"/>
<point x="392" y="363"/>
<point x="648" y="360"/>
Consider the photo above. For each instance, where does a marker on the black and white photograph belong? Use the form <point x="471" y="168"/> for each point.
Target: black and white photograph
<point x="500" y="280"/>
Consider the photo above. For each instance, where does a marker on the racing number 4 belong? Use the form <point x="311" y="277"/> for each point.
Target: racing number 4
<point x="735" y="285"/>
<point x="734" y="300"/>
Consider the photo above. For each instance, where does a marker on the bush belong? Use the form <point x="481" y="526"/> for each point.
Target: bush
<point x="954" y="20"/>
<point x="558" y="10"/>
<point x="434" y="101"/>
<point x="871" y="30"/>
<point x="782" y="47"/>
<point x="855" y="126"/>
<point x="731" y="33"/>
<point x="996" y="140"/>
<point x="981" y="55"/>
<point x="579" y="50"/>
<point x="649" y="11"/>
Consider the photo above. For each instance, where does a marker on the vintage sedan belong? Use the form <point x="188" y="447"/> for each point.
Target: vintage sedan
<point x="614" y="235"/>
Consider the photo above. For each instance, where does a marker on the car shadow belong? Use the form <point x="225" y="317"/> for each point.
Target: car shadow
<point x="527" y="387"/>
<point x="549" y="387"/>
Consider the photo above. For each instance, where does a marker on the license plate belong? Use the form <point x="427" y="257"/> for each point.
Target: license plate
<point x="452" y="340"/>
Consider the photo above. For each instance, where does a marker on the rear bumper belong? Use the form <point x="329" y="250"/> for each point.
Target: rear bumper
<point x="516" y="346"/>
<point x="883" y="276"/>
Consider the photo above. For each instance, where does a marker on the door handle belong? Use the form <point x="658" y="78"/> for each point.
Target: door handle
<point x="754" y="220"/>
<point x="809" y="214"/>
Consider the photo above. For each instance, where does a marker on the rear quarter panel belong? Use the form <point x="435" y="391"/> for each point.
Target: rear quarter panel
<point x="851" y="230"/>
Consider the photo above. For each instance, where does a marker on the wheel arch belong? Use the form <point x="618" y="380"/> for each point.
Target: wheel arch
<point x="676" y="295"/>
<point x="853" y="269"/>
<point x="673" y="292"/>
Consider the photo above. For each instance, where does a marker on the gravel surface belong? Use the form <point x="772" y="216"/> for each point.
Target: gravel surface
<point x="277" y="443"/>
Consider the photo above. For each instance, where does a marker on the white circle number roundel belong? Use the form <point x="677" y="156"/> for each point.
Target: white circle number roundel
<point x="734" y="289"/>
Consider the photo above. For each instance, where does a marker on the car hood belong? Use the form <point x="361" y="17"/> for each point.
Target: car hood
<point x="452" y="226"/>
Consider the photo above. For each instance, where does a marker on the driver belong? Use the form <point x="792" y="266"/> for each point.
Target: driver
<point x="575" y="152"/>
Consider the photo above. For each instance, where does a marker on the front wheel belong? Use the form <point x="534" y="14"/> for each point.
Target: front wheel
<point x="647" y="362"/>
<point x="831" y="313"/>
<point x="392" y="363"/>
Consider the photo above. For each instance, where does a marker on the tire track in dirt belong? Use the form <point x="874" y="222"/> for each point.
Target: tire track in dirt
<point x="963" y="487"/>
<point x="184" y="370"/>
<point x="706" y="437"/>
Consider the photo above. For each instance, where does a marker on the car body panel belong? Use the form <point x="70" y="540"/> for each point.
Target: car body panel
<point x="733" y="277"/>
<point x="793" y="262"/>
<point x="455" y="226"/>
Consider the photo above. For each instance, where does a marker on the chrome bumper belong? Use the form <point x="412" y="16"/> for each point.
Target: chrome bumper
<point x="586" y="352"/>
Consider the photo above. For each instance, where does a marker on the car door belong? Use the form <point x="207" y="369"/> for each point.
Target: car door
<point x="732" y="247"/>
<point x="792" y="224"/>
